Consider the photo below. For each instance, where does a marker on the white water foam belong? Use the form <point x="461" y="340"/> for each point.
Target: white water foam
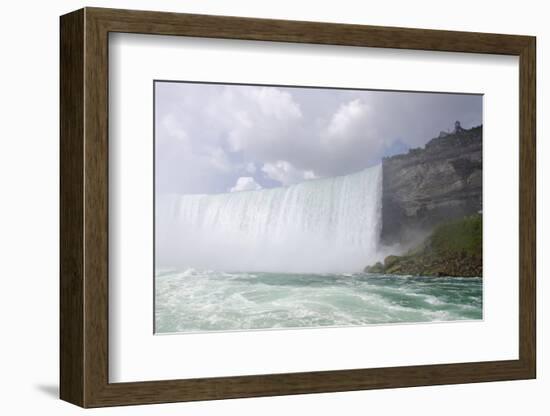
<point x="194" y="300"/>
<point x="319" y="226"/>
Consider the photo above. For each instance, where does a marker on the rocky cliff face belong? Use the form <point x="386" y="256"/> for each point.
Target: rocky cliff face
<point x="428" y="186"/>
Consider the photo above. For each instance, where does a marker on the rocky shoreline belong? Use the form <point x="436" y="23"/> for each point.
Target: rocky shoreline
<point x="453" y="249"/>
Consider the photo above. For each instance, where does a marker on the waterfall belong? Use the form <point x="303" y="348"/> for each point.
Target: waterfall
<point x="317" y="226"/>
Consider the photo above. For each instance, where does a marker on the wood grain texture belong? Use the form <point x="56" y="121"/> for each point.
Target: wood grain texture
<point x="84" y="207"/>
<point x="527" y="208"/>
<point x="71" y="208"/>
<point x="226" y="27"/>
<point x="96" y="219"/>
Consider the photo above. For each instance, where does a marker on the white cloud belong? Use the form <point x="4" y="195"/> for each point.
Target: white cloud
<point x="186" y="165"/>
<point x="209" y="135"/>
<point x="274" y="103"/>
<point x="245" y="183"/>
<point x="260" y="122"/>
<point x="349" y="121"/>
<point x="173" y="129"/>
<point x="285" y="173"/>
<point x="350" y="139"/>
<point x="217" y="157"/>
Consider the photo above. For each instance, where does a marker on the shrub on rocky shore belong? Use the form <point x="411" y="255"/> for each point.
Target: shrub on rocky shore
<point x="452" y="249"/>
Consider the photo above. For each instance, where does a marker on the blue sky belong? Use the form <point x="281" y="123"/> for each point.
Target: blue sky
<point x="215" y="138"/>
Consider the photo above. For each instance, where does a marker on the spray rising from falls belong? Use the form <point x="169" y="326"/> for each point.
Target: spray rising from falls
<point x="317" y="226"/>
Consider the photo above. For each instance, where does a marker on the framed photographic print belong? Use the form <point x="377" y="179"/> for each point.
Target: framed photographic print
<point x="255" y="207"/>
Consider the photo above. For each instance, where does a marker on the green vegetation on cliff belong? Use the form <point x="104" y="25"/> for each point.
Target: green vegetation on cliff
<point x="452" y="249"/>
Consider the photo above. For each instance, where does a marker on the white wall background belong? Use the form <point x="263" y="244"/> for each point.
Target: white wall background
<point x="29" y="84"/>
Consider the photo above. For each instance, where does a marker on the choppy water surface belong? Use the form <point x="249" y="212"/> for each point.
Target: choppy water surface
<point x="194" y="300"/>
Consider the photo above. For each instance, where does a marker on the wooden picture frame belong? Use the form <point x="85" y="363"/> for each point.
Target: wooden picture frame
<point x="84" y="207"/>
